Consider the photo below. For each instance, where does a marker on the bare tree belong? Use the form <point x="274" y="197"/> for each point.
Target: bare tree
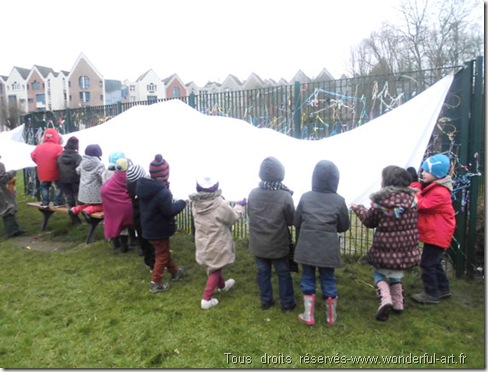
<point x="430" y="35"/>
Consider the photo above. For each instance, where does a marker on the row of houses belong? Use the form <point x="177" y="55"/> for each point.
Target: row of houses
<point x="43" y="89"/>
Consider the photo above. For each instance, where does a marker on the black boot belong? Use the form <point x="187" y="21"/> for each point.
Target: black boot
<point x="116" y="243"/>
<point x="12" y="228"/>
<point x="75" y="220"/>
<point x="148" y="251"/>
<point x="124" y="240"/>
<point x="133" y="240"/>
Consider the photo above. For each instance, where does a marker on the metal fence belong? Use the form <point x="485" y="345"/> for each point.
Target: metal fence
<point x="316" y="110"/>
<point x="311" y="110"/>
<point x="357" y="240"/>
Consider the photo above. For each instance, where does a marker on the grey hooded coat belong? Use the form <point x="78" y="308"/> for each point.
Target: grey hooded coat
<point x="319" y="216"/>
<point x="90" y="170"/>
<point x="270" y="213"/>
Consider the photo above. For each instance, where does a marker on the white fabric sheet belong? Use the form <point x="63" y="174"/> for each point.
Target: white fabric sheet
<point x="231" y="150"/>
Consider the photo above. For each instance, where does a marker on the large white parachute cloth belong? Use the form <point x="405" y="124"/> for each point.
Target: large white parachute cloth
<point x="14" y="152"/>
<point x="231" y="150"/>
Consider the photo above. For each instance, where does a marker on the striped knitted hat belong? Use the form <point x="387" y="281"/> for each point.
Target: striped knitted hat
<point x="134" y="172"/>
<point x="159" y="168"/>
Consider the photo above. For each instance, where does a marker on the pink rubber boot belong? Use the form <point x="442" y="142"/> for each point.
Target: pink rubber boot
<point x="307" y="315"/>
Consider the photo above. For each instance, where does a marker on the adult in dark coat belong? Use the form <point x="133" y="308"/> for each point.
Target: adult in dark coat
<point x="320" y="215"/>
<point x="270" y="210"/>
<point x="158" y="220"/>
<point x="8" y="204"/>
<point x="69" y="179"/>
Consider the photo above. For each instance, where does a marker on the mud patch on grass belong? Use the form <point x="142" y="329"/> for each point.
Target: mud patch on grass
<point x="42" y="243"/>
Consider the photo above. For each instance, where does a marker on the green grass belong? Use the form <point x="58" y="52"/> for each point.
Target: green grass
<point x="84" y="306"/>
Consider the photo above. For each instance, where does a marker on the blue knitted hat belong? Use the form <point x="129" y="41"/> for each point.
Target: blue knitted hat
<point x="437" y="165"/>
<point x="113" y="157"/>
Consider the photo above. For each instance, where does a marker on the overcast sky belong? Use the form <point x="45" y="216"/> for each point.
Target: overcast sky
<point x="200" y="40"/>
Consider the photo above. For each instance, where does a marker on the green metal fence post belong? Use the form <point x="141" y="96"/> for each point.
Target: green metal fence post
<point x="297" y="115"/>
<point x="191" y="100"/>
<point x="476" y="146"/>
<point x="461" y="220"/>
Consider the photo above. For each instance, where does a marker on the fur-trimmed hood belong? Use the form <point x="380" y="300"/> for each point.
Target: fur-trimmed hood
<point x="384" y="196"/>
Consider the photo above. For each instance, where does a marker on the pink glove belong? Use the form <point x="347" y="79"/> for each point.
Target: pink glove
<point x="242" y="202"/>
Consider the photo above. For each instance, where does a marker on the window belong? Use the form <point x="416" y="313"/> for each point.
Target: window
<point x="132" y="88"/>
<point x="152" y="99"/>
<point x="176" y="92"/>
<point x="15" y="86"/>
<point x="151" y="88"/>
<point x="36" y="85"/>
<point x="85" y="97"/>
<point x="41" y="98"/>
<point x="100" y="84"/>
<point x="84" y="82"/>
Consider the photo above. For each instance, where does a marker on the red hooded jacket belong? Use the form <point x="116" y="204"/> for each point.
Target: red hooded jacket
<point x="46" y="154"/>
<point x="437" y="220"/>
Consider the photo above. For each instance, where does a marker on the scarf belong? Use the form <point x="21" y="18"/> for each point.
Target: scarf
<point x="274" y="185"/>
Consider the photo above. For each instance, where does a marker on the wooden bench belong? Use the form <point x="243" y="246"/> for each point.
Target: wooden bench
<point x="92" y="219"/>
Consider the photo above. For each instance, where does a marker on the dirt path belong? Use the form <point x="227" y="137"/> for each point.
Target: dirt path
<point x="40" y="243"/>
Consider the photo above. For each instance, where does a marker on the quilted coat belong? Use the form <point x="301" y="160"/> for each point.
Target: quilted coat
<point x="214" y="217"/>
<point x="45" y="155"/>
<point x="158" y="210"/>
<point x="319" y="216"/>
<point x="393" y="214"/>
<point x="117" y="205"/>
<point x="437" y="221"/>
<point x="90" y="171"/>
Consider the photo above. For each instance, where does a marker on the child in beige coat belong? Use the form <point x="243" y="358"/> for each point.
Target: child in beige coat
<point x="215" y="248"/>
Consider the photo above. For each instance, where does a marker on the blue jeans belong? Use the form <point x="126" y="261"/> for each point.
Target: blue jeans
<point x="378" y="277"/>
<point x="326" y="277"/>
<point x="44" y="188"/>
<point x="285" y="282"/>
<point x="433" y="275"/>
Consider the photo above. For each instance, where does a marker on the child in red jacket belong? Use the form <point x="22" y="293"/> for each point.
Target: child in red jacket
<point x="45" y="155"/>
<point x="436" y="226"/>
